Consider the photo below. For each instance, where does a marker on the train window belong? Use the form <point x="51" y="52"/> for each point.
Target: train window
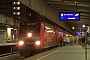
<point x="22" y="23"/>
<point x="28" y="23"/>
<point x="25" y="28"/>
<point x="31" y="23"/>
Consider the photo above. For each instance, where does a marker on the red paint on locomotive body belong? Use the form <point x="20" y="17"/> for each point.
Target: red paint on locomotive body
<point x="37" y="35"/>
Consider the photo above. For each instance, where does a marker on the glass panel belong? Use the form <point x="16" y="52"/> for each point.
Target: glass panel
<point x="29" y="27"/>
<point x="4" y="18"/>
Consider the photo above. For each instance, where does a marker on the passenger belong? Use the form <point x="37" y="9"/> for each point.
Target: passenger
<point x="77" y="40"/>
<point x="61" y="40"/>
<point x="64" y="40"/>
<point x="83" y="40"/>
<point x="80" y="41"/>
<point x="68" y="40"/>
<point x="72" y="39"/>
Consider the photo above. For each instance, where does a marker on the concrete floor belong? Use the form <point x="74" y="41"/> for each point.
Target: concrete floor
<point x="75" y="52"/>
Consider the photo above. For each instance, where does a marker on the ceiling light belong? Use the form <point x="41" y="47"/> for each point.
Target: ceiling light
<point x="76" y="2"/>
<point x="73" y="27"/>
<point x="83" y="26"/>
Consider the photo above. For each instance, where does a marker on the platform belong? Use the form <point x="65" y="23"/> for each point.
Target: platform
<point x="7" y="44"/>
<point x="75" y="52"/>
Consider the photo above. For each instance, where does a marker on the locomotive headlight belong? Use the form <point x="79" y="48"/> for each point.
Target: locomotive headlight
<point x="37" y="42"/>
<point x="29" y="34"/>
<point x="21" y="42"/>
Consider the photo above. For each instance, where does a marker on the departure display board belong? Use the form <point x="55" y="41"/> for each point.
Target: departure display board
<point x="69" y="16"/>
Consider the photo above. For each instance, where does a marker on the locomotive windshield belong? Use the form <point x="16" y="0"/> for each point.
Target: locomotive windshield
<point x="29" y="27"/>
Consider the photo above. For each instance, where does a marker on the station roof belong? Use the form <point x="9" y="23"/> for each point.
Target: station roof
<point x="83" y="6"/>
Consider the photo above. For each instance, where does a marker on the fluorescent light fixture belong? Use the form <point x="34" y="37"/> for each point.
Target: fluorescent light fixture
<point x="47" y="28"/>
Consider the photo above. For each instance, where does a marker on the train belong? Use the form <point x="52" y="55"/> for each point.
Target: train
<point x="36" y="36"/>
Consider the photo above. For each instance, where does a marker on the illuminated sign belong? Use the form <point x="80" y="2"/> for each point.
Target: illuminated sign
<point x="28" y="23"/>
<point x="79" y="33"/>
<point x="60" y="32"/>
<point x="66" y="16"/>
<point x="31" y="23"/>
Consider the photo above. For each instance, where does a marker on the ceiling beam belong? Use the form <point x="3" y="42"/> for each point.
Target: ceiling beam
<point x="68" y="3"/>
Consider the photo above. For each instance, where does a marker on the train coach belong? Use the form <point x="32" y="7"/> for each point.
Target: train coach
<point x="35" y="36"/>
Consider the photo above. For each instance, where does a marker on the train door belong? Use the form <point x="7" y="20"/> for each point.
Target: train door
<point x="57" y="36"/>
<point x="49" y="34"/>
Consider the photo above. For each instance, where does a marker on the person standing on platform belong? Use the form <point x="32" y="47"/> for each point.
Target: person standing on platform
<point x="64" y="40"/>
<point x="77" y="40"/>
<point x="68" y="40"/>
<point x="83" y="40"/>
<point x="72" y="39"/>
<point x="61" y="40"/>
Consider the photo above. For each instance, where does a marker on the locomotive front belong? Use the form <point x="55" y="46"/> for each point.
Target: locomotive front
<point x="28" y="38"/>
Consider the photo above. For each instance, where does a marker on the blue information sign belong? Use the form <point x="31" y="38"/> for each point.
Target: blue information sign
<point x="65" y="16"/>
<point x="79" y="33"/>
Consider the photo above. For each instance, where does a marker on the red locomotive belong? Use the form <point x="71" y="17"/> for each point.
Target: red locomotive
<point x="34" y="36"/>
